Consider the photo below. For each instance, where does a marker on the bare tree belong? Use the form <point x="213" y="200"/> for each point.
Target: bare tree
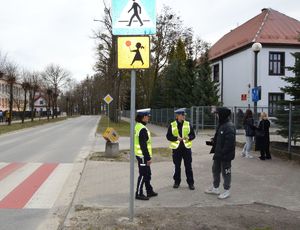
<point x="56" y="78"/>
<point x="35" y="84"/>
<point x="26" y="88"/>
<point x="11" y="74"/>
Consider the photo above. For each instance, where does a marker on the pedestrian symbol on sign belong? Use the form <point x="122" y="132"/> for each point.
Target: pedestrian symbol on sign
<point x="135" y="7"/>
<point x="133" y="17"/>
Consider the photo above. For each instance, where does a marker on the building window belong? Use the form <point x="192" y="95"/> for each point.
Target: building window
<point x="41" y="102"/>
<point x="276" y="63"/>
<point x="274" y="98"/>
<point x="216" y="73"/>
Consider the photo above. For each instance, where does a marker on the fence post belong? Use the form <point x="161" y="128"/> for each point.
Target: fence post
<point x="234" y="117"/>
<point x="197" y="119"/>
<point x="202" y="118"/>
<point x="192" y="116"/>
<point x="290" y="131"/>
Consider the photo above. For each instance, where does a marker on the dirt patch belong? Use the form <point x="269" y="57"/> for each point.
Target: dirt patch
<point x="238" y="217"/>
<point x="159" y="154"/>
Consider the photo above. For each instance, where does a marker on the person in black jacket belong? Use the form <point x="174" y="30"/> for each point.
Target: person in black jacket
<point x="143" y="153"/>
<point x="224" y="152"/>
<point x="249" y="127"/>
<point x="262" y="139"/>
<point x="180" y="134"/>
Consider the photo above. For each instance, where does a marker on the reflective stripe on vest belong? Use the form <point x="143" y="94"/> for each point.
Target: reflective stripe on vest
<point x="185" y="132"/>
<point x="137" y="148"/>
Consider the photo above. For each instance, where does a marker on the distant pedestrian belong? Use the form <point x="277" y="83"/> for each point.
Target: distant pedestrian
<point x="262" y="138"/>
<point x="224" y="152"/>
<point x="180" y="134"/>
<point x="240" y="116"/>
<point x="249" y="127"/>
<point x="7" y="117"/>
<point x="1" y="116"/>
<point x="143" y="153"/>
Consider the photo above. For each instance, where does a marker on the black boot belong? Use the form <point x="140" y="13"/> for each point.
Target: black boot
<point x="151" y="194"/>
<point x="141" y="197"/>
<point x="176" y="185"/>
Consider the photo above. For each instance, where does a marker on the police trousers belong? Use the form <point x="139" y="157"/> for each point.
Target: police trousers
<point x="186" y="155"/>
<point x="144" y="176"/>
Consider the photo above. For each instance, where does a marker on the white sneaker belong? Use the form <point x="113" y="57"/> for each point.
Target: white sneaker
<point x="249" y="156"/>
<point x="212" y="190"/>
<point x="224" y="195"/>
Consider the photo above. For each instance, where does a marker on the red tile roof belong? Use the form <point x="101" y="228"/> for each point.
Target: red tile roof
<point x="269" y="27"/>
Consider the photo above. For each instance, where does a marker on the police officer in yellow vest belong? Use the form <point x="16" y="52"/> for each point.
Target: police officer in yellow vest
<point x="143" y="152"/>
<point x="180" y="134"/>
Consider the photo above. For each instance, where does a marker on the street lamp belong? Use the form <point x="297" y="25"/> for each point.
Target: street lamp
<point x="256" y="47"/>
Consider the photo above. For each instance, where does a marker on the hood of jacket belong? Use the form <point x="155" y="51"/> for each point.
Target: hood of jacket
<point x="224" y="114"/>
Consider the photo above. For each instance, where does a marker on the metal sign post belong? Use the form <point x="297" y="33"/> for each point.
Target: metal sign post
<point x="132" y="155"/>
<point x="133" y="17"/>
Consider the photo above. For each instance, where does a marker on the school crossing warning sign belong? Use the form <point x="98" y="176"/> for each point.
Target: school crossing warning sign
<point x="133" y="17"/>
<point x="134" y="52"/>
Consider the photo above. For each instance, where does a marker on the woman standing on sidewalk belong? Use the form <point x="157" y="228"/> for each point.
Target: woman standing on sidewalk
<point x="262" y="141"/>
<point x="249" y="127"/>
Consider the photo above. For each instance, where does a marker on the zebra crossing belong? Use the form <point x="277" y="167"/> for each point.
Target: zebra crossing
<point x="31" y="185"/>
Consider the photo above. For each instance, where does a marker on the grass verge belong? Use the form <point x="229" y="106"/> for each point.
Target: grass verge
<point x="28" y="124"/>
<point x="158" y="154"/>
<point x="122" y="128"/>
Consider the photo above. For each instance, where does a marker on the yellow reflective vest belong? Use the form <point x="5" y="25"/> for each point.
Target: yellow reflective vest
<point x="185" y="134"/>
<point x="137" y="148"/>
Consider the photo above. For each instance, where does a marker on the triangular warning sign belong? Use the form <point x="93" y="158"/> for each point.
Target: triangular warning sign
<point x="134" y="15"/>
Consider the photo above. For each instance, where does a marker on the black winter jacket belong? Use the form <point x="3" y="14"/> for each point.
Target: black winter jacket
<point x="224" y="142"/>
<point x="249" y="127"/>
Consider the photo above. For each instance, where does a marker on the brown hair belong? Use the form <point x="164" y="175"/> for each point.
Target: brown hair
<point x="248" y="114"/>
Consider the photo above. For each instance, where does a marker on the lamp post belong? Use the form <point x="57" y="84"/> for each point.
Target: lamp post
<point x="256" y="47"/>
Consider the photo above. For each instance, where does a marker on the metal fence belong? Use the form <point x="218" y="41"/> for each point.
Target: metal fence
<point x="285" y="118"/>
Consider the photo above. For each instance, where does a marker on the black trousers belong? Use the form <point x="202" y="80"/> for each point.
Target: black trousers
<point x="186" y="155"/>
<point x="265" y="150"/>
<point x="144" y="177"/>
<point x="225" y="168"/>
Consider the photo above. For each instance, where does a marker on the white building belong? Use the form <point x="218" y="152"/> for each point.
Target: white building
<point x="233" y="59"/>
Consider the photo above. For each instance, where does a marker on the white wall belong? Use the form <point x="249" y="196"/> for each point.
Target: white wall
<point x="239" y="73"/>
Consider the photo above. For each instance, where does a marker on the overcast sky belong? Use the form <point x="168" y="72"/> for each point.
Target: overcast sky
<point x="34" y="33"/>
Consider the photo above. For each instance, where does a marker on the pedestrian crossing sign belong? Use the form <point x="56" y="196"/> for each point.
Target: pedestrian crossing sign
<point x="134" y="52"/>
<point x="133" y="17"/>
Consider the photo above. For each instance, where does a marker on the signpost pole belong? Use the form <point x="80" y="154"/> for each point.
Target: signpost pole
<point x="132" y="155"/>
<point x="108" y="114"/>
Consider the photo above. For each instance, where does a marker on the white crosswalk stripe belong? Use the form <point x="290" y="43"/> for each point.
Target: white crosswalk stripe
<point x="49" y="191"/>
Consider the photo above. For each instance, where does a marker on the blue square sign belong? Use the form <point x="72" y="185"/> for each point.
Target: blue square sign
<point x="133" y="17"/>
<point x="256" y="94"/>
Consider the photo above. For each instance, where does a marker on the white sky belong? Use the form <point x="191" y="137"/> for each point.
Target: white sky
<point x="35" y="33"/>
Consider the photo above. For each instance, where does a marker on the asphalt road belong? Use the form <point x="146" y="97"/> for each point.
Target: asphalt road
<point x="39" y="160"/>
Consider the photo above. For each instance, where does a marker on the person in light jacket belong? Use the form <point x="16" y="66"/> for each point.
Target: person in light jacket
<point x="249" y="127"/>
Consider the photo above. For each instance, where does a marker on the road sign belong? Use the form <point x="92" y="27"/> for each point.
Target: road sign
<point x="133" y="17"/>
<point x="133" y="52"/>
<point x="243" y="97"/>
<point x="256" y="94"/>
<point x="108" y="99"/>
